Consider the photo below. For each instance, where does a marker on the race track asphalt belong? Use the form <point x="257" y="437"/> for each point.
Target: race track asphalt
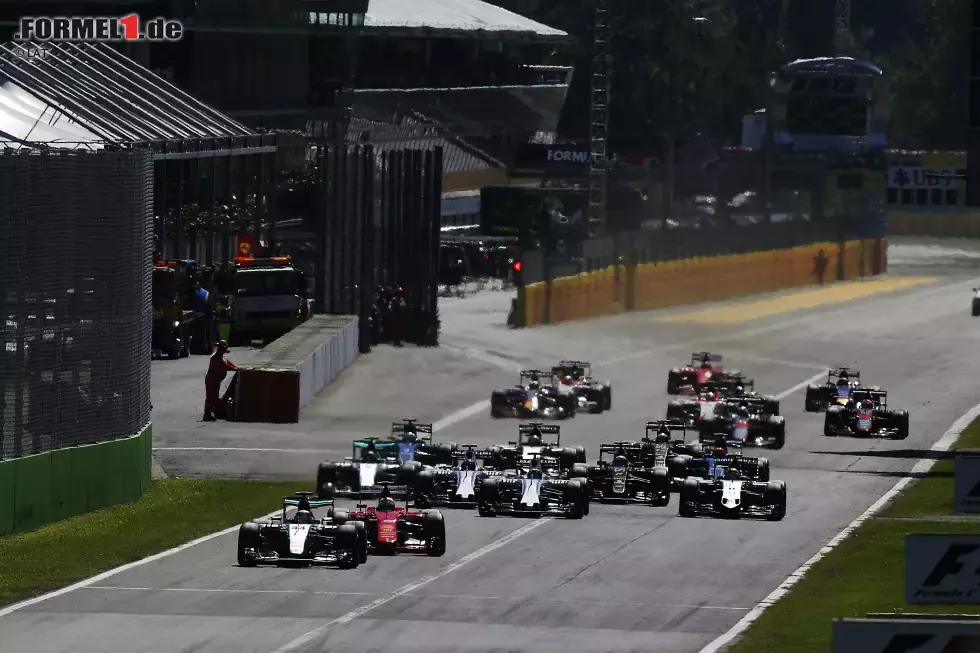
<point x="626" y="578"/>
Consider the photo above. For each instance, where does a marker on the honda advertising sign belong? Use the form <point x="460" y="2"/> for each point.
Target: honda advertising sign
<point x="942" y="569"/>
<point x="966" y="483"/>
<point x="906" y="636"/>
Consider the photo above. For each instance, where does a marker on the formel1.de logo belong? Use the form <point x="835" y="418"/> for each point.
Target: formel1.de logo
<point x="97" y="29"/>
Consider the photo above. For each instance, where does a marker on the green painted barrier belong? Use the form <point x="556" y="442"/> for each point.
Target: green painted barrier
<point x="6" y="498"/>
<point x="36" y="490"/>
<point x="32" y="491"/>
<point x="65" y="500"/>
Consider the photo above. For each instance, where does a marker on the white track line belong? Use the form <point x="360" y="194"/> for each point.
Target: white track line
<point x="118" y="570"/>
<point x="306" y="638"/>
<point x="924" y="465"/>
<point x="461" y="414"/>
<point x="802" y="384"/>
<point x="305" y="451"/>
<point x="204" y="590"/>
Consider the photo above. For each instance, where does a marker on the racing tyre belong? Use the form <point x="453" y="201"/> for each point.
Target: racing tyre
<point x="445" y="455"/>
<point x="762" y="470"/>
<point x="688" y="500"/>
<point x="408" y="474"/>
<point x="975" y="308"/>
<point x="362" y="543"/>
<point x="776" y="498"/>
<point x="434" y="529"/>
<point x="778" y="426"/>
<point x="660" y="487"/>
<point x="486" y="497"/>
<point x="328" y="513"/>
<point x="326" y="480"/>
<point x="424" y="488"/>
<point x="902" y="425"/>
<point x="831" y="421"/>
<point x="249" y="537"/>
<point x="812" y="401"/>
<point x="580" y="455"/>
<point x="578" y="470"/>
<point x="576" y="497"/>
<point x="607" y="399"/>
<point x="677" y="467"/>
<point x="347" y="542"/>
<point x="771" y="405"/>
<point x="341" y="517"/>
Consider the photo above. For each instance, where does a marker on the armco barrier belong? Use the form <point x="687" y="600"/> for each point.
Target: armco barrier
<point x="952" y="224"/>
<point x="278" y="381"/>
<point x="650" y="286"/>
<point x="39" y="489"/>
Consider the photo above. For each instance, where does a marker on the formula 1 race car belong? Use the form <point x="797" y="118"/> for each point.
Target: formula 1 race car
<point x="624" y="474"/>
<point x="727" y="454"/>
<point x="532" y="491"/>
<point x="867" y="414"/>
<point x="746" y="420"/>
<point x="531" y="444"/>
<point x="690" y="410"/>
<point x="456" y="484"/>
<point x="392" y="529"/>
<point x="837" y="389"/>
<point x="302" y="540"/>
<point x="535" y="397"/>
<point x="689" y="380"/>
<point x="730" y="494"/>
<point x="575" y="377"/>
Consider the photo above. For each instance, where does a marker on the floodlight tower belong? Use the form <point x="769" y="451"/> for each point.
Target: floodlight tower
<point x="599" y="115"/>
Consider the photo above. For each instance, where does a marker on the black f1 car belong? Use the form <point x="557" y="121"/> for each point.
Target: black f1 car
<point x="534" y="440"/>
<point x="836" y="391"/>
<point x="575" y="377"/>
<point x="747" y="420"/>
<point x="689" y="380"/>
<point x="456" y="484"/>
<point x="867" y="414"/>
<point x="535" y="397"/>
<point x="532" y="491"/>
<point x="302" y="540"/>
<point x="397" y="461"/>
<point x="730" y="494"/>
<point x="624" y="473"/>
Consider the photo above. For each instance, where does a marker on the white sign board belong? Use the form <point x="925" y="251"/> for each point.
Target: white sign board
<point x="942" y="569"/>
<point x="905" y="636"/>
<point x="915" y="177"/>
<point x="966" y="484"/>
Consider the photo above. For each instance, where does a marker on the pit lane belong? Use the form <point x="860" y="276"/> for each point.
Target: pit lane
<point x="627" y="578"/>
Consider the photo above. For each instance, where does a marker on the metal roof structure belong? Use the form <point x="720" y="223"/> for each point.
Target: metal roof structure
<point x="466" y="18"/>
<point x="71" y="96"/>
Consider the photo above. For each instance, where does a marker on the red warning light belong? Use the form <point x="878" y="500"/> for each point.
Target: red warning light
<point x="517" y="266"/>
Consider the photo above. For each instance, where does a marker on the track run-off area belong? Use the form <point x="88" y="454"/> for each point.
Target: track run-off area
<point x="625" y="578"/>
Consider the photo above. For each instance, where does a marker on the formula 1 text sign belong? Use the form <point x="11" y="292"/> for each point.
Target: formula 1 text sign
<point x="97" y="29"/>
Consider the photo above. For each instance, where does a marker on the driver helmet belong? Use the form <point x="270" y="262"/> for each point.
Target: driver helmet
<point x="371" y="452"/>
<point x="866" y="404"/>
<point x="410" y="434"/>
<point x="843" y="380"/>
<point x="742" y="410"/>
<point x="568" y="379"/>
<point x="720" y="448"/>
<point x="386" y="504"/>
<point x="705" y="364"/>
<point x="534" y="439"/>
<point x="304" y="517"/>
<point x="620" y="459"/>
<point x="663" y="433"/>
<point x="732" y="474"/>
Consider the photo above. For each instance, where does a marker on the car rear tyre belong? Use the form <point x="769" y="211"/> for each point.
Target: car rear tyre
<point x="434" y="530"/>
<point x="762" y="470"/>
<point x="575" y="497"/>
<point x="607" y="399"/>
<point x="326" y="480"/>
<point x="349" y="544"/>
<point x="776" y="498"/>
<point x="249" y="537"/>
<point x="486" y="497"/>
<point x="687" y="504"/>
<point x="362" y="543"/>
<point x="660" y="488"/>
<point x="902" y="425"/>
<point x="778" y="434"/>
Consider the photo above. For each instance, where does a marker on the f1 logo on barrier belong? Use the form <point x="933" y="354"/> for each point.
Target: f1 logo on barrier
<point x="966" y="484"/>
<point x="942" y="569"/>
<point x="900" y="635"/>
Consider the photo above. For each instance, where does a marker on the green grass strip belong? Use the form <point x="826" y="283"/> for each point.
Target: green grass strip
<point x="865" y="573"/>
<point x="172" y="512"/>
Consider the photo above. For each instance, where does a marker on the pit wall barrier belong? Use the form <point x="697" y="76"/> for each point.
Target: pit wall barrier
<point x="47" y="487"/>
<point x="945" y="224"/>
<point x="278" y="381"/>
<point x="649" y="286"/>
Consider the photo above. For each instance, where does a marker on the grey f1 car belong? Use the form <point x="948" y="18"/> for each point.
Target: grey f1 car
<point x="747" y="420"/>
<point x="396" y="461"/>
<point x="867" y="414"/>
<point x="456" y="484"/>
<point x="730" y="494"/>
<point x="575" y="377"/>
<point x="302" y="540"/>
<point x="534" y="440"/>
<point x="534" y="492"/>
<point x="535" y="397"/>
<point x="836" y="391"/>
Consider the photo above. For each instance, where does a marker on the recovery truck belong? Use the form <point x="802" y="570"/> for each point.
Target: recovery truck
<point x="270" y="298"/>
<point x="183" y="310"/>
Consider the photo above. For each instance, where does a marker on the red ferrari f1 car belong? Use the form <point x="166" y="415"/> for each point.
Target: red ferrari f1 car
<point x="393" y="529"/>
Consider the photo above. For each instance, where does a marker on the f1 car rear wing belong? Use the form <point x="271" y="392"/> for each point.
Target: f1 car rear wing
<point x="698" y="357"/>
<point x="302" y="501"/>
<point x="583" y="368"/>
<point x="463" y="452"/>
<point x="525" y="430"/>
<point x="733" y="379"/>
<point x="423" y="431"/>
<point x="750" y="401"/>
<point x="543" y="377"/>
<point x="671" y="425"/>
<point x="837" y="372"/>
<point x="877" y="395"/>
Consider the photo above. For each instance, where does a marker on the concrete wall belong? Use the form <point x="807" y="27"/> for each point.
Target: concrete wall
<point x="46" y="487"/>
<point x="658" y="285"/>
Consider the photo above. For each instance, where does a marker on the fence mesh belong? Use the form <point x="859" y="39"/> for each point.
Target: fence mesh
<point x="75" y="261"/>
